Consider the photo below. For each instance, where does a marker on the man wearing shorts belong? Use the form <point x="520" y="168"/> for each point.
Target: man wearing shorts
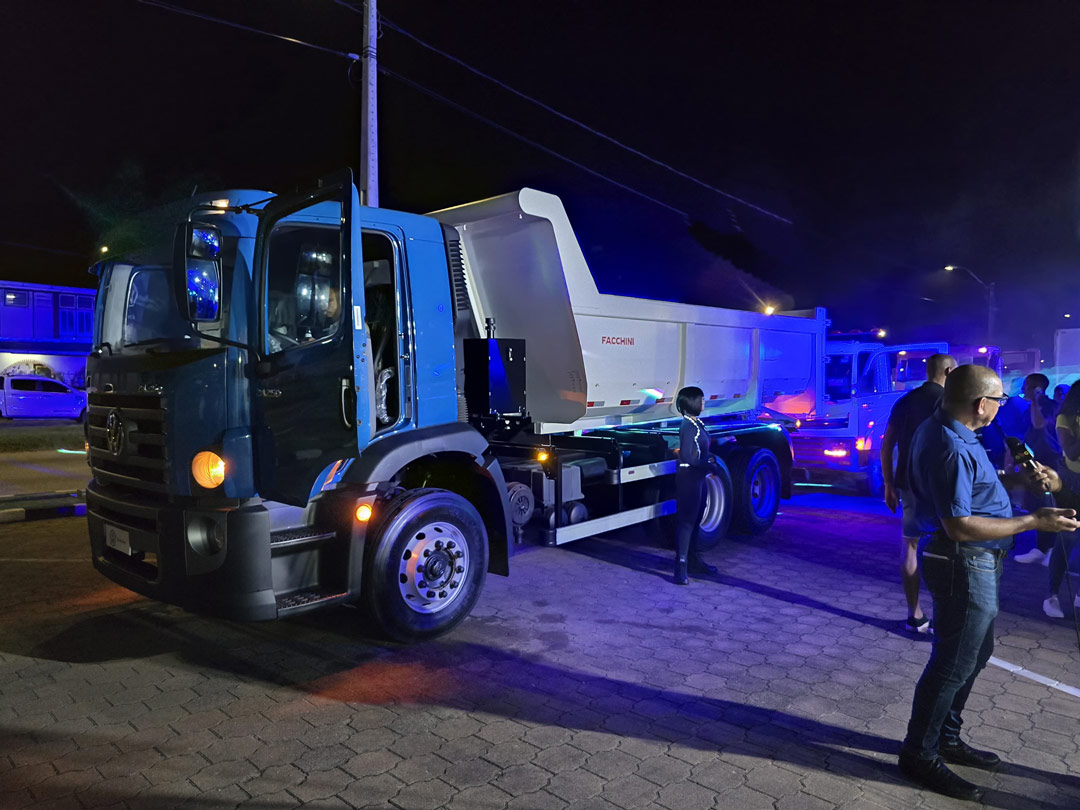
<point x="907" y="414"/>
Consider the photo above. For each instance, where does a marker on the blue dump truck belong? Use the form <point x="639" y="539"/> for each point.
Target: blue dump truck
<point x="296" y="401"/>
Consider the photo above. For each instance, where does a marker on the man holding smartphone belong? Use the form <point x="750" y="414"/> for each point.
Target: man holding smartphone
<point x="966" y="527"/>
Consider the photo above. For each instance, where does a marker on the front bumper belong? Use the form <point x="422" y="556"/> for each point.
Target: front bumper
<point x="233" y="581"/>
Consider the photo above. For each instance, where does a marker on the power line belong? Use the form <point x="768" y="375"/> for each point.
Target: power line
<point x="460" y="108"/>
<point x="42" y="249"/>
<point x="397" y="28"/>
<point x="189" y="12"/>
<point x="420" y="88"/>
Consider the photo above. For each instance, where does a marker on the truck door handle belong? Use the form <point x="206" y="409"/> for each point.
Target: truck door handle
<point x="345" y="387"/>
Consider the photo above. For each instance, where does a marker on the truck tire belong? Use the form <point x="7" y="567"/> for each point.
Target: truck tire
<point x="719" y="503"/>
<point x="755" y="474"/>
<point x="426" y="562"/>
<point x="719" y="509"/>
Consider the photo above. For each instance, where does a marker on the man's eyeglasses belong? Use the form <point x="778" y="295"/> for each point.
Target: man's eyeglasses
<point x="999" y="400"/>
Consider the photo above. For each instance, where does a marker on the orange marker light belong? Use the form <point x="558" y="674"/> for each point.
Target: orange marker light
<point x="208" y="469"/>
<point x="542" y="455"/>
<point x="363" y="513"/>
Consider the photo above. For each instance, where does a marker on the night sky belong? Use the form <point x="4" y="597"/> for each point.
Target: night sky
<point x="898" y="137"/>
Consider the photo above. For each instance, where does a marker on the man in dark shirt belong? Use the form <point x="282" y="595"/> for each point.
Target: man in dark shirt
<point x="965" y="520"/>
<point x="907" y="414"/>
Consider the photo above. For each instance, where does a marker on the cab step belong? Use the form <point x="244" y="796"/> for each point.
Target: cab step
<point x="298" y="538"/>
<point x="308" y="599"/>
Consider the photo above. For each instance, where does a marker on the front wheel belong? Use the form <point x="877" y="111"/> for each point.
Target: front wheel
<point x="755" y="474"/>
<point x="426" y="563"/>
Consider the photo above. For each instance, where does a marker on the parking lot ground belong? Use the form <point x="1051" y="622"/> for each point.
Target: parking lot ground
<point x="40" y="471"/>
<point x="585" y="680"/>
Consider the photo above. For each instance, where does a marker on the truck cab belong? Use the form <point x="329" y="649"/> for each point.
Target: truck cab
<point x="862" y="382"/>
<point x="259" y="381"/>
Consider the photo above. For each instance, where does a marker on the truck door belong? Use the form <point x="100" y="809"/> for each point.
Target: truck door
<point x="311" y="298"/>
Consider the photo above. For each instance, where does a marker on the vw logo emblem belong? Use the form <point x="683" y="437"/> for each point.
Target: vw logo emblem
<point x="114" y="432"/>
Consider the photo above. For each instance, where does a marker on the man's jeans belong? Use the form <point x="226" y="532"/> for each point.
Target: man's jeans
<point x="964" y="584"/>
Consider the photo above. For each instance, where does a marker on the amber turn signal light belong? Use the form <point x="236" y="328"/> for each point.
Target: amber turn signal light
<point x="208" y="469"/>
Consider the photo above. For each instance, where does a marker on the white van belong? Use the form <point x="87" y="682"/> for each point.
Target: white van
<point x="25" y="395"/>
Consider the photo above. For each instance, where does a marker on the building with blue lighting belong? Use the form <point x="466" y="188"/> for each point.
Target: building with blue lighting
<point x="45" y="329"/>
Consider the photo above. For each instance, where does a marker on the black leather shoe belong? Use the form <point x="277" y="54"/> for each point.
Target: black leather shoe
<point x="680" y="573"/>
<point x="700" y="567"/>
<point x="933" y="775"/>
<point x="963" y="754"/>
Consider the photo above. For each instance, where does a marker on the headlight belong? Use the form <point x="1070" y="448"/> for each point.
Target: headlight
<point x="208" y="469"/>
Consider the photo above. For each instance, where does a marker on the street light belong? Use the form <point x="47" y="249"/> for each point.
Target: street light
<point x="990" y="302"/>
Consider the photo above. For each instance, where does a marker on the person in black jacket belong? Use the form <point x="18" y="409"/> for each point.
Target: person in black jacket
<point x="908" y="412"/>
<point x="695" y="462"/>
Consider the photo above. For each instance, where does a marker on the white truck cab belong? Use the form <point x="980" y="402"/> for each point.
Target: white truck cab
<point x="862" y="382"/>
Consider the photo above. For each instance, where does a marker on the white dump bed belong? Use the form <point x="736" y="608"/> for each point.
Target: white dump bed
<point x="597" y="359"/>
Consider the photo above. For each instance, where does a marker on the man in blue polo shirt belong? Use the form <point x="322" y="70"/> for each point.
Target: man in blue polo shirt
<point x="966" y="528"/>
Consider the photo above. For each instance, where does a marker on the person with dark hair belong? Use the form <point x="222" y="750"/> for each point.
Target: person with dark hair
<point x="966" y="527"/>
<point x="1068" y="432"/>
<point x="695" y="462"/>
<point x="1059" y="395"/>
<point x="907" y="414"/>
<point x="1041" y="437"/>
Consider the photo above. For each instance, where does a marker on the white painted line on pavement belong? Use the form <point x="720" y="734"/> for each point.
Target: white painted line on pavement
<point x="12" y="515"/>
<point x="1016" y="669"/>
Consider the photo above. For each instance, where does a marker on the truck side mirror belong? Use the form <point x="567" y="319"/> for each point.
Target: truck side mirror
<point x="199" y="283"/>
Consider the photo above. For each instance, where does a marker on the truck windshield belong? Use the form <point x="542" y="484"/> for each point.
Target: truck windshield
<point x="136" y="307"/>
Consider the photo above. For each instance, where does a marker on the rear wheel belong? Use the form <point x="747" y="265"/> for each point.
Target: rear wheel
<point x="755" y="474"/>
<point x="716" y="521"/>
<point x="718" y="513"/>
<point x="426" y="562"/>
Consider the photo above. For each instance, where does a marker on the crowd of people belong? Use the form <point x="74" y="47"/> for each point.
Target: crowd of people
<point x="949" y="443"/>
<point x="948" y="468"/>
<point x="1050" y="427"/>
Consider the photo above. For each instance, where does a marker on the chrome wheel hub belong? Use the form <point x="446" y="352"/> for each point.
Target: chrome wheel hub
<point x="433" y="567"/>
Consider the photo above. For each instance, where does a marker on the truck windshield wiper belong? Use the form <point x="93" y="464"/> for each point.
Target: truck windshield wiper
<point x="211" y="338"/>
<point x="227" y="342"/>
<point x="147" y="342"/>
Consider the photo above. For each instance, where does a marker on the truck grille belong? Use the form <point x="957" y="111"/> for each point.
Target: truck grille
<point x="127" y="441"/>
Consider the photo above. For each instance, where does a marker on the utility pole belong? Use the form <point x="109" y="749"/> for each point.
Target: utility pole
<point x="369" y="179"/>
